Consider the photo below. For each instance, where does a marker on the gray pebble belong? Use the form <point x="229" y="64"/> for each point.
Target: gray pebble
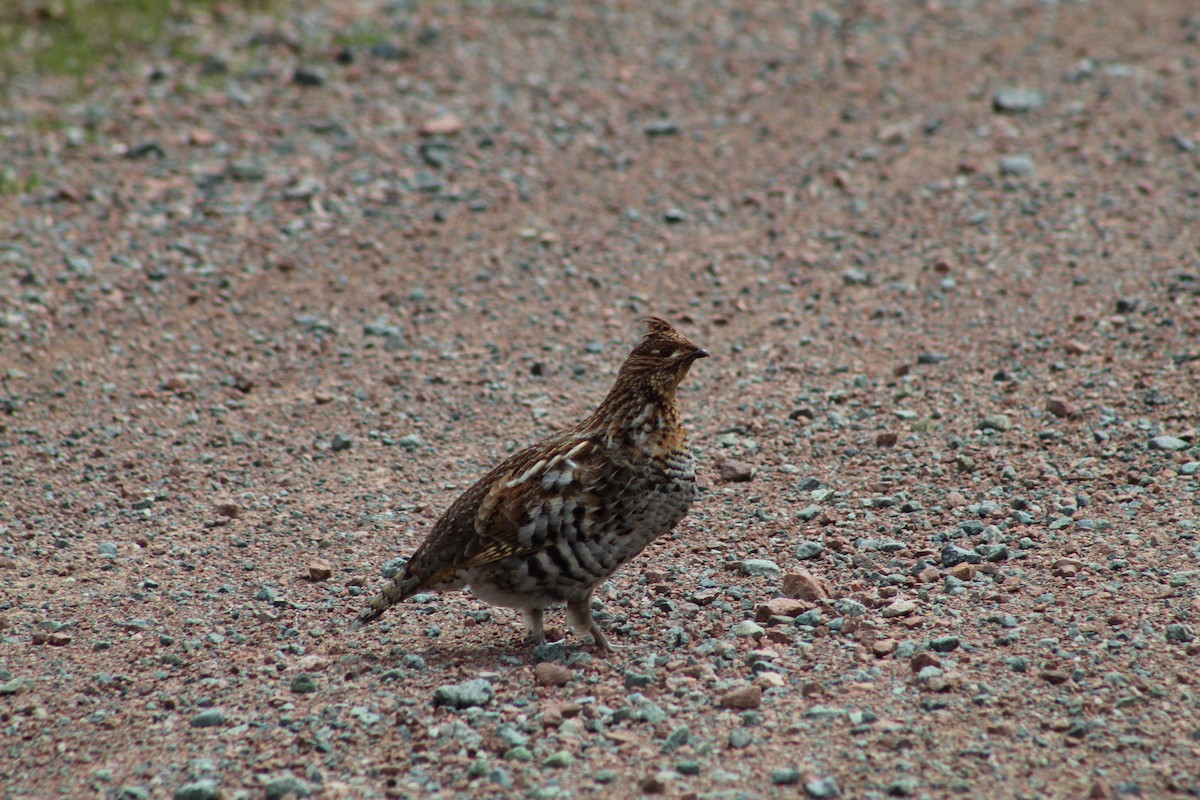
<point x="209" y="718"/>
<point x="747" y="628"/>
<point x="812" y="618"/>
<point x="200" y="790"/>
<point x="303" y="684"/>
<point x="787" y="776"/>
<point x="1180" y="633"/>
<point x="661" y="127"/>
<point x="740" y="737"/>
<point x="678" y="738"/>
<point x="108" y="549"/>
<point x="637" y="680"/>
<point x="992" y="552"/>
<point x="808" y="549"/>
<point x="945" y="644"/>
<point x="760" y="568"/>
<point x="281" y="786"/>
<point x="1168" y="443"/>
<point x="340" y="442"/>
<point x="1019" y="166"/>
<point x="1017" y="99"/>
<point x="550" y="651"/>
<point x="393" y="567"/>
<point x="849" y="608"/>
<point x="808" y="513"/>
<point x="952" y="554"/>
<point x="822" y="788"/>
<point x="995" y="422"/>
<point x="476" y="692"/>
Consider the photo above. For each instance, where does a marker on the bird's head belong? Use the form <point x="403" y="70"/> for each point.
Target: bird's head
<point x="662" y="359"/>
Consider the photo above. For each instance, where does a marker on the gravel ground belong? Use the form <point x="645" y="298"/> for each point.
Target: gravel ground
<point x="264" y="313"/>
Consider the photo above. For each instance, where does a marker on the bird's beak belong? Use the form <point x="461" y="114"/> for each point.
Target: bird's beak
<point x="700" y="352"/>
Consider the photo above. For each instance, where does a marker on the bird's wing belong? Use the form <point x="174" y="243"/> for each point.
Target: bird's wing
<point x="565" y="492"/>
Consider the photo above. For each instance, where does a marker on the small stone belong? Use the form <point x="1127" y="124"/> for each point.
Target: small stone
<point x="307" y="76"/>
<point x="200" y="790"/>
<point x="303" y="684"/>
<point x="1180" y="633"/>
<point x="995" y="422"/>
<point x="560" y="760"/>
<point x="886" y="439"/>
<point x="445" y="125"/>
<point x="803" y="585"/>
<point x="746" y="629"/>
<point x="1018" y="166"/>
<point x="780" y="607"/>
<point x="952" y="555"/>
<point x="107" y="549"/>
<point x="340" y="442"/>
<point x="760" y="568"/>
<point x="787" y="776"/>
<point x="58" y="639"/>
<point x="227" y="509"/>
<point x="736" y="472"/>
<point x="637" y="680"/>
<point x="923" y="660"/>
<point x="770" y="680"/>
<point x="1017" y="99"/>
<point x="209" y="718"/>
<point x="1054" y="677"/>
<point x="882" y="648"/>
<point x="319" y="570"/>
<point x="1066" y="567"/>
<point x="677" y="739"/>
<point x="822" y="788"/>
<point x="945" y="644"/>
<point x="808" y="513"/>
<point x="740" y="737"/>
<point x="899" y="608"/>
<point x="475" y="692"/>
<point x="992" y="552"/>
<point x="1168" y="443"/>
<point x="1060" y="407"/>
<point x="550" y="651"/>
<point x="749" y="696"/>
<point x="392" y="567"/>
<point x="281" y="786"/>
<point x="16" y="686"/>
<point x="661" y="127"/>
<point x="963" y="572"/>
<point x="549" y="673"/>
<point x="808" y="548"/>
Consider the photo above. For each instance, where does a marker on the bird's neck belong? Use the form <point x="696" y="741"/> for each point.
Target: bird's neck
<point x="635" y="413"/>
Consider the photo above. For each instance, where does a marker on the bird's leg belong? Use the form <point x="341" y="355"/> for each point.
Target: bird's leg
<point x="579" y="617"/>
<point x="534" y="618"/>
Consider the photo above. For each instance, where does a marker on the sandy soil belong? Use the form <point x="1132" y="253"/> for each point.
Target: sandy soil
<point x="264" y="313"/>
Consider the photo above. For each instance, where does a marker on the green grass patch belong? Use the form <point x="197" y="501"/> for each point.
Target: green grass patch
<point x="72" y="37"/>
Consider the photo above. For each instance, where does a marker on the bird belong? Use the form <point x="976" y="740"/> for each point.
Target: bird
<point x="549" y="524"/>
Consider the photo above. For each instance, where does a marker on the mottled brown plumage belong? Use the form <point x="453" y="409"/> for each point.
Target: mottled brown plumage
<point x="552" y="522"/>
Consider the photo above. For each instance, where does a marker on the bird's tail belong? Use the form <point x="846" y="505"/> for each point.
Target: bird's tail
<point x="393" y="593"/>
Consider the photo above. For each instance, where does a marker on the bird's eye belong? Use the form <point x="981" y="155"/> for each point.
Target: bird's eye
<point x="665" y="351"/>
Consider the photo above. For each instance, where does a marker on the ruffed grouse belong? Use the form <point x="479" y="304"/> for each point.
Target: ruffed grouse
<point x="552" y="522"/>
